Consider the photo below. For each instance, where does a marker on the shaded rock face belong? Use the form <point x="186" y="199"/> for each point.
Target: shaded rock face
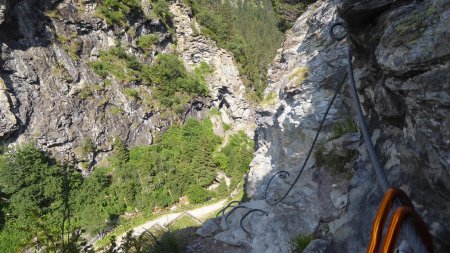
<point x="49" y="94"/>
<point x="44" y="81"/>
<point x="402" y="65"/>
<point x="401" y="61"/>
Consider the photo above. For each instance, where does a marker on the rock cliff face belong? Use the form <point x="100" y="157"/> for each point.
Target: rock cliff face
<point x="48" y="92"/>
<point x="227" y="88"/>
<point x="401" y="60"/>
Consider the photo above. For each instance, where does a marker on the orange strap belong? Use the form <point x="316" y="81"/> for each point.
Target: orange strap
<point x="394" y="228"/>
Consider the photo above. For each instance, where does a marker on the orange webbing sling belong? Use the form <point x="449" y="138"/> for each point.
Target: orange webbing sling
<point x="400" y="214"/>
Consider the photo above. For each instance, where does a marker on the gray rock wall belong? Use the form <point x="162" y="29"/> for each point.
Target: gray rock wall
<point x="402" y="61"/>
<point x="49" y="94"/>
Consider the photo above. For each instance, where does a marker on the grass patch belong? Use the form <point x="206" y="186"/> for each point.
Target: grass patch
<point x="270" y="100"/>
<point x="60" y="71"/>
<point x="184" y="221"/>
<point x="87" y="90"/>
<point x="71" y="45"/>
<point x="300" y="242"/>
<point x="215" y="112"/>
<point x="132" y="93"/>
<point x="299" y="75"/>
<point x="117" y="111"/>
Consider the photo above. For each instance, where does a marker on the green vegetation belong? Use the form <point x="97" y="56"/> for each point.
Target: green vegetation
<point x="333" y="161"/>
<point x="87" y="90"/>
<point x="116" y="11"/>
<point x="132" y="93"/>
<point x="172" y="84"/>
<point x="301" y="242"/>
<point x="234" y="158"/>
<point x="215" y="112"/>
<point x="60" y="71"/>
<point x="348" y="126"/>
<point x="184" y="222"/>
<point x="34" y="202"/>
<point x="248" y="30"/>
<point x="155" y="242"/>
<point x="299" y="75"/>
<point x="71" y="45"/>
<point x="161" y="10"/>
<point x="288" y="11"/>
<point x="118" y="63"/>
<point x="147" y="42"/>
<point x="270" y="99"/>
<point x="37" y="193"/>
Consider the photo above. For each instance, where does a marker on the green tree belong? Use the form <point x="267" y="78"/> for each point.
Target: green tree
<point x="120" y="153"/>
<point x="33" y="185"/>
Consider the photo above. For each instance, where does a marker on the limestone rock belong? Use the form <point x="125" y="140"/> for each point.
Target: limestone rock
<point x="3" y="10"/>
<point x="8" y="121"/>
<point x="55" y="98"/>
<point x="227" y="88"/>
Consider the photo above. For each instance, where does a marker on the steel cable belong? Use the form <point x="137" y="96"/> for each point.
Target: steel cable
<point x="410" y="232"/>
<point x="309" y="152"/>
<point x="231" y="211"/>
<point x="226" y="207"/>
<point x="247" y="214"/>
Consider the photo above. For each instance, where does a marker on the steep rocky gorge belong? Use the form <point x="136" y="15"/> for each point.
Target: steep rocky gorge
<point x="49" y="94"/>
<point x="401" y="59"/>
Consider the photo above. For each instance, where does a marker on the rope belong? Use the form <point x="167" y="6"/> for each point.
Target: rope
<point x="309" y="152"/>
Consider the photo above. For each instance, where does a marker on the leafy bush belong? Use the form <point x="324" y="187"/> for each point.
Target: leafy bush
<point x="161" y="10"/>
<point x="124" y="67"/>
<point x="197" y="194"/>
<point x="174" y="86"/>
<point x="147" y="42"/>
<point x="116" y="11"/>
